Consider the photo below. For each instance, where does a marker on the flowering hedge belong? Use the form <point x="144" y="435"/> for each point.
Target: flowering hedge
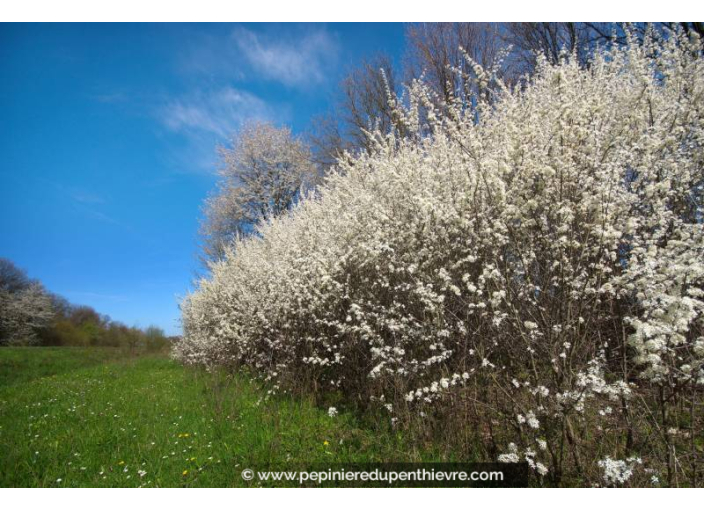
<point x="529" y="259"/>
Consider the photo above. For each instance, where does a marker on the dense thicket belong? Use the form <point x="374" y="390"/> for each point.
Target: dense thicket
<point x="522" y="271"/>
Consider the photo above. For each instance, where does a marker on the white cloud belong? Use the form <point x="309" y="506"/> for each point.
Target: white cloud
<point x="208" y="118"/>
<point x="297" y="63"/>
<point x="87" y="197"/>
<point x="96" y="295"/>
<point x="219" y="113"/>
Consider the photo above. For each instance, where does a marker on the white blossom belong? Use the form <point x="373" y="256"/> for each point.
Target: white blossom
<point x="520" y="237"/>
<point x="618" y="472"/>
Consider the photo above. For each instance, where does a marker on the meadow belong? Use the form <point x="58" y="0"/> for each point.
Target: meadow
<point x="95" y="417"/>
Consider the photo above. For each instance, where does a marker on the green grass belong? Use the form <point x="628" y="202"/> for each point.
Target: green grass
<point x="23" y="364"/>
<point x="89" y="418"/>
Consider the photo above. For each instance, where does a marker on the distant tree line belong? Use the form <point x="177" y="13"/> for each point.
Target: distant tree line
<point x="30" y="315"/>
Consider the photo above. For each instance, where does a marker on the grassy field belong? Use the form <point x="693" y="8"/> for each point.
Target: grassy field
<point x="72" y="417"/>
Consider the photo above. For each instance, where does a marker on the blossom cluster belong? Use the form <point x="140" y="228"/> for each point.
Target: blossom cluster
<point x="23" y="314"/>
<point x="543" y="240"/>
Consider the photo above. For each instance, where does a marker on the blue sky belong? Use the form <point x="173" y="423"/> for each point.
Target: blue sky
<point x="108" y="136"/>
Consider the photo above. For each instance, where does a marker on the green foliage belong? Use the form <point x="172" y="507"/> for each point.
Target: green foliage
<point x="83" y="327"/>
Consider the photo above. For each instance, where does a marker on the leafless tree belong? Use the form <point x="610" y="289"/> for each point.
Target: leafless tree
<point x="438" y="50"/>
<point x="363" y="105"/>
<point x="530" y="39"/>
<point x="12" y="278"/>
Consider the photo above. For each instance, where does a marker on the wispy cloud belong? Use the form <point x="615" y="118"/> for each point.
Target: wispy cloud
<point x="87" y="202"/>
<point x="96" y="296"/>
<point x="84" y="200"/>
<point x="110" y="97"/>
<point x="208" y="118"/>
<point x="100" y="216"/>
<point x="228" y="68"/>
<point x="86" y="197"/>
<point x="297" y="62"/>
<point x="220" y="112"/>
